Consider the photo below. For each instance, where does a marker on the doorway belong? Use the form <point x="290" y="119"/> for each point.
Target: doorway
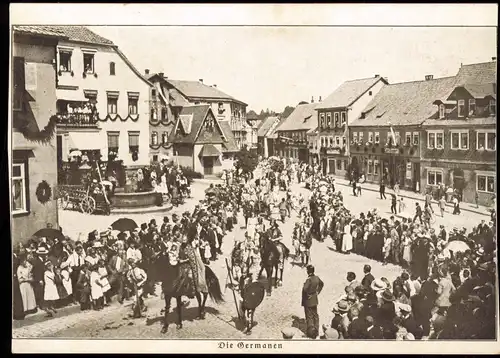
<point x="208" y="165"/>
<point x="416" y="177"/>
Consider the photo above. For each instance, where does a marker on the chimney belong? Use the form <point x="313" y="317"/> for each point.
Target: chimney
<point x="319" y="98"/>
<point x="161" y="74"/>
<point x="201" y="80"/>
<point x="493" y="59"/>
<point x="146" y="71"/>
<point x="312" y="99"/>
<point x="215" y="86"/>
<point x="386" y="79"/>
<point x="377" y="76"/>
<point x="429" y="77"/>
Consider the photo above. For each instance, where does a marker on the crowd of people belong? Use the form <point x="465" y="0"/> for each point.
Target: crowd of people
<point x="53" y="272"/>
<point x="446" y="289"/>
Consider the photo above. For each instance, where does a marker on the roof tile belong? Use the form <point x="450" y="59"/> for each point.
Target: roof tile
<point x="72" y="33"/>
<point x="478" y="73"/>
<point x="348" y="92"/>
<point x="303" y="117"/>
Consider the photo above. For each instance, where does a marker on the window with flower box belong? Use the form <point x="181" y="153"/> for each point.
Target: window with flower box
<point x="434" y="177"/>
<point x="377" y="137"/>
<point x="322" y="120"/>
<point x="328" y="120"/>
<point x="459" y="139"/>
<point x="164" y="138"/>
<point x="65" y="60"/>
<point x="408" y="138"/>
<point x="337" y="141"/>
<point x="113" y="143"/>
<point x="435" y="139"/>
<point x="88" y="63"/>
<point x="416" y="138"/>
<point x="133" y="142"/>
<point x="485" y="182"/>
<point x="336" y="121"/>
<point x="370" y="137"/>
<point x="361" y="134"/>
<point x="354" y="137"/>
<point x="486" y="139"/>
<point x="343" y="116"/>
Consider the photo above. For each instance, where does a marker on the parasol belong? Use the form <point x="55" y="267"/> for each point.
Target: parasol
<point x="124" y="224"/>
<point x="49" y="233"/>
<point x="456" y="246"/>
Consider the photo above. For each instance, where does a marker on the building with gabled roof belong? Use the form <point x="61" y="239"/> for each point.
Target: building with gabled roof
<point x="292" y="132"/>
<point x="200" y="141"/>
<point x="266" y="136"/>
<point x="334" y="116"/>
<point x="225" y="107"/>
<point x="103" y="102"/>
<point x="33" y="153"/>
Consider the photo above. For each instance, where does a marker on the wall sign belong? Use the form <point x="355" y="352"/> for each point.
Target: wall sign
<point x="392" y="150"/>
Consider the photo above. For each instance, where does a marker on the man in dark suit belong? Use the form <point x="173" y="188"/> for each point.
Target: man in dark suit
<point x="372" y="331"/>
<point x="368" y="279"/>
<point x="312" y="288"/>
<point x="117" y="268"/>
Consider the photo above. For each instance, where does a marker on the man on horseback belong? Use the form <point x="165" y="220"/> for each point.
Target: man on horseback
<point x="251" y="296"/>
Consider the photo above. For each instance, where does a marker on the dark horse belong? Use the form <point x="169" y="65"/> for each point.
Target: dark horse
<point x="273" y="256"/>
<point x="170" y="276"/>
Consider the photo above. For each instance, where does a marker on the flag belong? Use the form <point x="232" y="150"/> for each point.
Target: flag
<point x="393" y="136"/>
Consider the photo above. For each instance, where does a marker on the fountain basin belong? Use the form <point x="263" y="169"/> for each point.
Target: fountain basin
<point x="135" y="200"/>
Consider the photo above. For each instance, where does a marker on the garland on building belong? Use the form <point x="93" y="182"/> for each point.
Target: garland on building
<point x="44" y="136"/>
<point x="43" y="192"/>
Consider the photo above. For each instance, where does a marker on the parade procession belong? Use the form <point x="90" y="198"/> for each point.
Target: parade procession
<point x="144" y="207"/>
<point x="444" y="274"/>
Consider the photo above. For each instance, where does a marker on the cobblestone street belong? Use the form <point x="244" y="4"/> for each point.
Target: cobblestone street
<point x="278" y="311"/>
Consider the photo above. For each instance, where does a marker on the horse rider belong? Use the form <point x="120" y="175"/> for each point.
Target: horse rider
<point x="138" y="278"/>
<point x="274" y="231"/>
<point x="247" y="313"/>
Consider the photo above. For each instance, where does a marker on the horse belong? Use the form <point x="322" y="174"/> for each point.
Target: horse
<point x="272" y="259"/>
<point x="170" y="276"/>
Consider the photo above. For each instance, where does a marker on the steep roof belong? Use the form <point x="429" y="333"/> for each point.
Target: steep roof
<point x="72" y="33"/>
<point x="230" y="144"/>
<point x="265" y="126"/>
<point x="197" y="114"/>
<point x="478" y="73"/>
<point x="407" y="103"/>
<point x="38" y="31"/>
<point x="198" y="90"/>
<point x="348" y="92"/>
<point x="303" y="117"/>
<point x="481" y="90"/>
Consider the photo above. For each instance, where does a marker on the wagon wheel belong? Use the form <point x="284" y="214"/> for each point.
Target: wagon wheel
<point x="63" y="200"/>
<point x="87" y="205"/>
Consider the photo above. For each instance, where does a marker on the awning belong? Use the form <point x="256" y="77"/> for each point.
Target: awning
<point x="84" y="141"/>
<point x="209" y="150"/>
<point x="71" y="95"/>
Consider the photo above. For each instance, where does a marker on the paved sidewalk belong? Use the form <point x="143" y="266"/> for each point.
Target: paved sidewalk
<point x="482" y="210"/>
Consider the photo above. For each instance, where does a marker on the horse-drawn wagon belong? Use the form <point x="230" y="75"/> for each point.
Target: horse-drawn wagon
<point x="88" y="199"/>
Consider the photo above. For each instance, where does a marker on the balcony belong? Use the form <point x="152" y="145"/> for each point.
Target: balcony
<point x="77" y="120"/>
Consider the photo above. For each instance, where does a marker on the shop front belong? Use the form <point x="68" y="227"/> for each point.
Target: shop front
<point x="335" y="162"/>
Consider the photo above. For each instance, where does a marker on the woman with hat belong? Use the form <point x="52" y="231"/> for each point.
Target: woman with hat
<point x="341" y="321"/>
<point x="50" y="294"/>
<point x="387" y="313"/>
<point x="25" y="278"/>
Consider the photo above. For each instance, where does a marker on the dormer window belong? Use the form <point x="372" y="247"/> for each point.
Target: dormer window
<point x="441" y="111"/>
<point x="472" y="106"/>
<point x="493" y="106"/>
<point x="461" y="107"/>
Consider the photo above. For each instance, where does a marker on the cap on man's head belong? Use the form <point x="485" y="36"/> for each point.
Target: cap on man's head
<point x="310" y="269"/>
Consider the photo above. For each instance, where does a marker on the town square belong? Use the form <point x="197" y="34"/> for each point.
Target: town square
<point x="148" y="202"/>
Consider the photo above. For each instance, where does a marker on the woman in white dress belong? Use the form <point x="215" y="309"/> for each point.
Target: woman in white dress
<point x="96" y="288"/>
<point x="50" y="295"/>
<point x="347" y="238"/>
<point x="66" y="278"/>
<point x="252" y="225"/>
<point x="106" y="287"/>
<point x="25" y="278"/>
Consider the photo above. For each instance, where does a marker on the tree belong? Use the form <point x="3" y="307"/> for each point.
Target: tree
<point x="246" y="160"/>
<point x="287" y="111"/>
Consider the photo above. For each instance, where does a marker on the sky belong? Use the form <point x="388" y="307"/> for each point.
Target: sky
<point x="272" y="67"/>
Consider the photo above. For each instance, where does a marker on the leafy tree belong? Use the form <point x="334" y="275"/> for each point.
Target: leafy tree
<point x="287" y="111"/>
<point x="246" y="160"/>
